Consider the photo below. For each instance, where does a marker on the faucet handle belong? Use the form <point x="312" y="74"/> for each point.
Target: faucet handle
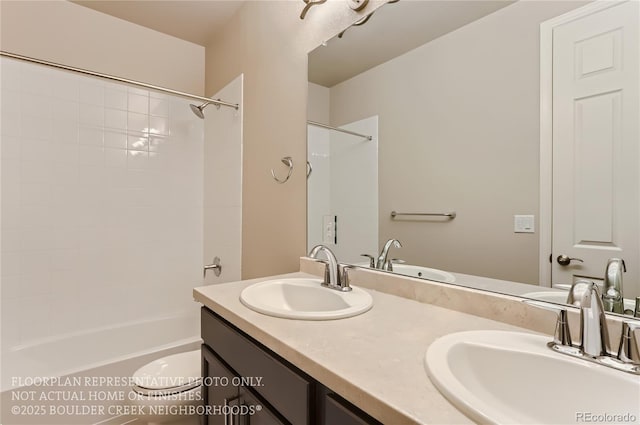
<point x="372" y="260"/>
<point x="562" y="335"/>
<point x="345" y="284"/>
<point x="326" y="267"/>
<point x="628" y="349"/>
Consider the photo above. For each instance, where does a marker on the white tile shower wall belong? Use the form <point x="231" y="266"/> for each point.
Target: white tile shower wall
<point x="318" y="184"/>
<point x="354" y="190"/>
<point x="344" y="183"/>
<point x="102" y="204"/>
<point x="223" y="184"/>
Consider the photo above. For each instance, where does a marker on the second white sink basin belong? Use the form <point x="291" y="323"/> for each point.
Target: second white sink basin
<point x="511" y="377"/>
<point x="304" y="299"/>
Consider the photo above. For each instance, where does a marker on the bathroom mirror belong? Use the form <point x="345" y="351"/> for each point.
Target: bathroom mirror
<point x="450" y="94"/>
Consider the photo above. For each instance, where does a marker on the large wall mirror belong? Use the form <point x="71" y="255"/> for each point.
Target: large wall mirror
<point x="442" y="144"/>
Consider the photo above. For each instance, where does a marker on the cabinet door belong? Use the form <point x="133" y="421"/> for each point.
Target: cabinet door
<point x="218" y="394"/>
<point x="254" y="412"/>
<point x="284" y="387"/>
<point x="335" y="410"/>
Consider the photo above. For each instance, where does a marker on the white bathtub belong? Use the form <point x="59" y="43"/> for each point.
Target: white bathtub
<point x="101" y="347"/>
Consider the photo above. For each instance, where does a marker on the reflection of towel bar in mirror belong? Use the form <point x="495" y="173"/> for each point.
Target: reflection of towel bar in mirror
<point x="450" y="215"/>
<point x="353" y="133"/>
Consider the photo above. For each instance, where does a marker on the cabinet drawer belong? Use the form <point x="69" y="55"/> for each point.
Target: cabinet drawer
<point x="282" y="387"/>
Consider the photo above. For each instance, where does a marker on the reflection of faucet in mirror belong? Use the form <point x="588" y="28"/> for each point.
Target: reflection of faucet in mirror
<point x="383" y="263"/>
<point x="372" y="260"/>
<point x="409" y="173"/>
<point x="612" y="297"/>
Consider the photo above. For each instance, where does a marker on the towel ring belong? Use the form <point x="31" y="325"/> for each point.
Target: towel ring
<point x="288" y="161"/>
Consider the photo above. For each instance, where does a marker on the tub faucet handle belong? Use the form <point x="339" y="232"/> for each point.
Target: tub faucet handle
<point x="215" y="266"/>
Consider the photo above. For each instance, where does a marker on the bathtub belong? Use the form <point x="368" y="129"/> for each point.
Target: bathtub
<point x="83" y="351"/>
<point x="70" y="368"/>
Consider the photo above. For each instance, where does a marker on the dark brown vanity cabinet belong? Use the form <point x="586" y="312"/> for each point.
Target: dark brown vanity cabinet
<point x="227" y="402"/>
<point x="217" y="397"/>
<point x="248" y="384"/>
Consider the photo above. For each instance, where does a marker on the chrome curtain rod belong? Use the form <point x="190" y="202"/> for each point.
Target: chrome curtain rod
<point x="353" y="133"/>
<point x="118" y="79"/>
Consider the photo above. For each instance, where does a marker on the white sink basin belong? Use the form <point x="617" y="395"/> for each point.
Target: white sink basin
<point x="512" y="377"/>
<point x="304" y="299"/>
<point x="424" y="273"/>
<point x="560" y="297"/>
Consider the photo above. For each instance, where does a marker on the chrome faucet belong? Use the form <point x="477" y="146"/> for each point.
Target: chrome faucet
<point x="594" y="338"/>
<point x="333" y="278"/>
<point x="383" y="263"/>
<point x="612" y="296"/>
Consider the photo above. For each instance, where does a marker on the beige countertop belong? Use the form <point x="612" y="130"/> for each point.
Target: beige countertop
<point x="374" y="360"/>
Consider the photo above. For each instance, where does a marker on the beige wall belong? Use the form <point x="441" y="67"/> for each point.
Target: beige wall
<point x="63" y="32"/>
<point x="459" y="130"/>
<point x="268" y="42"/>
<point x="318" y="104"/>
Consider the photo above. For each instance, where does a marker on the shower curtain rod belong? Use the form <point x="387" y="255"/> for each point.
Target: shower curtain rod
<point x="353" y="133"/>
<point x="118" y="79"/>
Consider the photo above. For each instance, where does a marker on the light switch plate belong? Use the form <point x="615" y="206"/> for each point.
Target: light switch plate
<point x="524" y="224"/>
<point x="329" y="229"/>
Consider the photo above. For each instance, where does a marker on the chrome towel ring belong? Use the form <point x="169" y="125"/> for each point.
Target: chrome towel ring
<point x="288" y="161"/>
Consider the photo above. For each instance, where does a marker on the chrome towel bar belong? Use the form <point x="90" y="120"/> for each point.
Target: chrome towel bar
<point x="450" y="215"/>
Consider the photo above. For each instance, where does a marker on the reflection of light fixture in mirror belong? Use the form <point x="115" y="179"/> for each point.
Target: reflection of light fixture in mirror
<point x="364" y="20"/>
<point x="358" y="4"/>
<point x="309" y="5"/>
<point x="357" y="23"/>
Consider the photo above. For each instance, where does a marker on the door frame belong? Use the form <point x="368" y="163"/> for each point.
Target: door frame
<point x="546" y="129"/>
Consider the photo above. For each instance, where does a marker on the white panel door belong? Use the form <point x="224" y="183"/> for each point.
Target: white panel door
<point x="596" y="87"/>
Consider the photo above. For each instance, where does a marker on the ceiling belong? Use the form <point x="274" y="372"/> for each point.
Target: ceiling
<point x="393" y="30"/>
<point x="191" y="20"/>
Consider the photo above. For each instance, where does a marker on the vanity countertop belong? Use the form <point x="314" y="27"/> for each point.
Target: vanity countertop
<point x="374" y="360"/>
